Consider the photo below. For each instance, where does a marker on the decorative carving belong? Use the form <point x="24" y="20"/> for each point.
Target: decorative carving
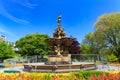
<point x="59" y="32"/>
<point x="58" y="49"/>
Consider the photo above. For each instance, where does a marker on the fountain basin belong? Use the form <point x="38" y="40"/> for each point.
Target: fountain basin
<point x="41" y="67"/>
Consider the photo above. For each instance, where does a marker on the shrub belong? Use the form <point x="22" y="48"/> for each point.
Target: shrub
<point x="112" y="58"/>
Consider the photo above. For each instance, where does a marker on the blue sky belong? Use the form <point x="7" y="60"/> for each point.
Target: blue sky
<point x="21" y="17"/>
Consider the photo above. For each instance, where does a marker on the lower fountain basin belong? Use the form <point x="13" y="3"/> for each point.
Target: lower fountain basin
<point x="41" y="67"/>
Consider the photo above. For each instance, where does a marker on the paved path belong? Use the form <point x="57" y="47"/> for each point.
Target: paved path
<point x="107" y="68"/>
<point x="100" y="68"/>
<point x="13" y="68"/>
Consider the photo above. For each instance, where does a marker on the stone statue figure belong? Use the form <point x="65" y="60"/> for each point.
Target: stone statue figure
<point x="59" y="18"/>
<point x="58" y="50"/>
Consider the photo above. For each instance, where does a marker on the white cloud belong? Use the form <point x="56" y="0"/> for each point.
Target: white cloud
<point x="26" y="3"/>
<point x="4" y="12"/>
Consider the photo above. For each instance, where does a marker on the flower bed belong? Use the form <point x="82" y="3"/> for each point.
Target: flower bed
<point x="9" y="65"/>
<point x="82" y="75"/>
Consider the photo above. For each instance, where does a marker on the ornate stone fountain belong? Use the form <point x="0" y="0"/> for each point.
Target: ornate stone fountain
<point x="60" y="58"/>
<point x="60" y="44"/>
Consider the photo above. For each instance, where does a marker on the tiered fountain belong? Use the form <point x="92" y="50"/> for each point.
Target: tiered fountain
<point x="60" y="44"/>
<point x="60" y="58"/>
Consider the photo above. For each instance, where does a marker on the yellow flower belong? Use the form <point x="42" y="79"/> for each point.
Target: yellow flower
<point x="114" y="72"/>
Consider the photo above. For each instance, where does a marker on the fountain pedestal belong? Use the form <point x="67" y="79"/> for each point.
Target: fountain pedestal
<point x="60" y="59"/>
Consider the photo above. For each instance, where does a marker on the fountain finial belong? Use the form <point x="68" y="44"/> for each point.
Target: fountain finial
<point x="59" y="19"/>
<point x="59" y="32"/>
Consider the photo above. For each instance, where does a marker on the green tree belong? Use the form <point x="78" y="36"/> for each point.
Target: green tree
<point x="106" y="37"/>
<point x="108" y="26"/>
<point x="85" y="49"/>
<point x="6" y="51"/>
<point x="33" y="44"/>
<point x="90" y="45"/>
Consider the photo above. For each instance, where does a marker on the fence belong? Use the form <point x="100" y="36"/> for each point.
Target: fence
<point x="55" y="63"/>
<point x="73" y="58"/>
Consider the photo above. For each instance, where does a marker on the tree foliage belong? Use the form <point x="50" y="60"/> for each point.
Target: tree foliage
<point x="6" y="51"/>
<point x="33" y="44"/>
<point x="106" y="35"/>
<point x="90" y="44"/>
<point x="112" y="58"/>
<point x="110" y="29"/>
<point x="85" y="49"/>
<point x="75" y="47"/>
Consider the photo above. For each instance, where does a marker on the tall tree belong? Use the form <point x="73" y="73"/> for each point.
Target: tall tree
<point x="33" y="44"/>
<point x="108" y="26"/>
<point x="6" y="51"/>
